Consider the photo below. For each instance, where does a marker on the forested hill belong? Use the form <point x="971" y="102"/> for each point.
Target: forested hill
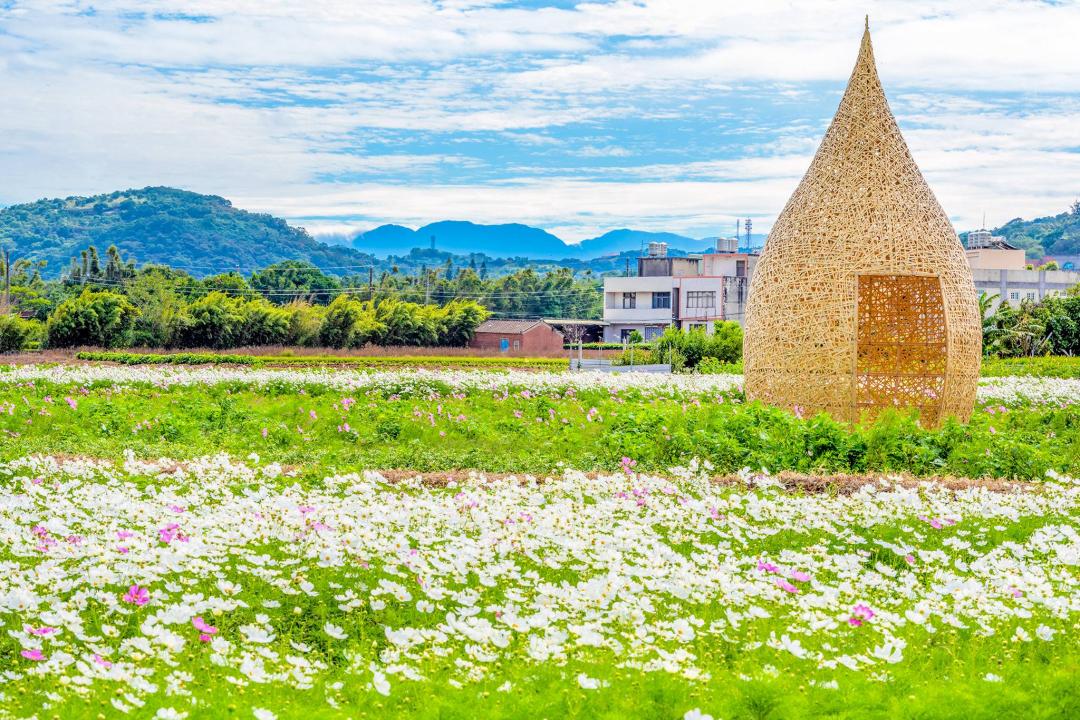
<point x="202" y="234"/>
<point x="1055" y="235"/>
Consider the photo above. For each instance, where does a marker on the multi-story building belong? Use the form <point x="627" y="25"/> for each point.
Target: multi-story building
<point x="700" y="290"/>
<point x="1016" y="286"/>
<point x="687" y="292"/>
<point x="990" y="252"/>
<point x="1001" y="271"/>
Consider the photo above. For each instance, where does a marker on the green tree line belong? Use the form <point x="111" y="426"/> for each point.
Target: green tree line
<point x="110" y="303"/>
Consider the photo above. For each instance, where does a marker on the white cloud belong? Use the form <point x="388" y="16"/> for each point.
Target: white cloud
<point x="280" y="104"/>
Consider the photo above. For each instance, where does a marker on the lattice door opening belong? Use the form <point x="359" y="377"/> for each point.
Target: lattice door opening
<point x="902" y="345"/>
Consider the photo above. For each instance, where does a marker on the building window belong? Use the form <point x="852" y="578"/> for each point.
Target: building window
<point x="661" y="300"/>
<point x="629" y="300"/>
<point x="701" y="299"/>
<point x="698" y="327"/>
<point x="517" y="344"/>
<point x="740" y="268"/>
<point x="1014" y="296"/>
<point x="739" y="293"/>
<point x="624" y="334"/>
<point x="1031" y="295"/>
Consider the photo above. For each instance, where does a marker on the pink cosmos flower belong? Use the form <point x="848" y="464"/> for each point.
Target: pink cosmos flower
<point x="42" y="631"/>
<point x="767" y="567"/>
<point x="910" y="559"/>
<point x="137" y="595"/>
<point x="34" y="655"/>
<point x="72" y="403"/>
<point x="313" y="415"/>
<point x="800" y="576"/>
<point x="177" y="509"/>
<point x="206" y="631"/>
<point x="102" y="661"/>
<point x="863" y="611"/>
<point x="785" y="585"/>
<point x="124" y="534"/>
<point x="264" y="433"/>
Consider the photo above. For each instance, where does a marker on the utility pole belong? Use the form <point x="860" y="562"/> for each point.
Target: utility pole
<point x="627" y="267"/>
<point x="749" y="224"/>
<point x="7" y="280"/>
<point x="371" y="283"/>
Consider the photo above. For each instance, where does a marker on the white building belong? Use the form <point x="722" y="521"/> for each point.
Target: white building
<point x="1016" y="286"/>
<point x="687" y="292"/>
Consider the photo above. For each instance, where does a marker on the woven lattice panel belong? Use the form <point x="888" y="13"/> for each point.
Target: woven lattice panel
<point x="901" y="352"/>
<point x="863" y="209"/>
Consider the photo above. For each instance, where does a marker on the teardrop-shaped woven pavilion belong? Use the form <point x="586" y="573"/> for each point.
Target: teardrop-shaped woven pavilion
<point x="863" y="298"/>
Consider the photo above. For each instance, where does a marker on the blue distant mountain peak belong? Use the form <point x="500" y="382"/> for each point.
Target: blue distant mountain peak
<point x="511" y="240"/>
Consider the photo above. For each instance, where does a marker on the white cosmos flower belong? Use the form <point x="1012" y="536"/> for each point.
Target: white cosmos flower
<point x="684" y="631"/>
<point x="257" y="634"/>
<point x="1045" y="633"/>
<point x="335" y="631"/>
<point x="792" y="646"/>
<point x="587" y="682"/>
<point x="380" y="683"/>
<point x="891" y="651"/>
<point x="169" y="714"/>
<point x="696" y="714"/>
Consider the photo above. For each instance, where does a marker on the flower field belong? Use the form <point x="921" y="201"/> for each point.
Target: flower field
<point x="231" y="542"/>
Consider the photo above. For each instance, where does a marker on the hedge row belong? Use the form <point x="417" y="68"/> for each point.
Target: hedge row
<point x="463" y="361"/>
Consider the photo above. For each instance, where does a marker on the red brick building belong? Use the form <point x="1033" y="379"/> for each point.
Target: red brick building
<point x="518" y="337"/>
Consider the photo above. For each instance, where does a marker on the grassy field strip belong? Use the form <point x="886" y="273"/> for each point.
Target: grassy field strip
<point x="1049" y="366"/>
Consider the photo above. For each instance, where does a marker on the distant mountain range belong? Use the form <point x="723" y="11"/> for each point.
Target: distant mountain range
<point x="203" y="234"/>
<point x="514" y="239"/>
<point x="1053" y="235"/>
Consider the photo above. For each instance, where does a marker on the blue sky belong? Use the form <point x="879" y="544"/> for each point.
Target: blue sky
<point x="576" y="117"/>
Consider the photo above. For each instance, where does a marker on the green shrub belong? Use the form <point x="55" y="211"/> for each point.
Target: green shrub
<point x="17" y="334"/>
<point x="305" y="323"/>
<point x="724" y="345"/>
<point x="215" y="320"/>
<point x="104" y="319"/>
<point x="713" y="366"/>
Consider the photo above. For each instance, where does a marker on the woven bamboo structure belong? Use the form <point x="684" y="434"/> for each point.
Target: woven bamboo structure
<point x="862" y="298"/>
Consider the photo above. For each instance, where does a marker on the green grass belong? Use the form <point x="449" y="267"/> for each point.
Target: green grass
<point x="1049" y="366"/>
<point x="537" y="434"/>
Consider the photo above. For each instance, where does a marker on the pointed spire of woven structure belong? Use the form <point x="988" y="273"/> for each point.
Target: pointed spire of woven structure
<point x="863" y="297"/>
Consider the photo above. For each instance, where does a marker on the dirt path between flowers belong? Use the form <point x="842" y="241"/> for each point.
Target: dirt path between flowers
<point x="841" y="484"/>
<point x="791" y="481"/>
